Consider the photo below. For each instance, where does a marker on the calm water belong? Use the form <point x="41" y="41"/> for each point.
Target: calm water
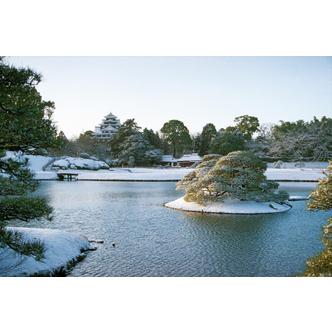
<point x="152" y="240"/>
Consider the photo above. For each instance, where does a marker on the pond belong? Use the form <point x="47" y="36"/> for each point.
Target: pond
<point x="151" y="240"/>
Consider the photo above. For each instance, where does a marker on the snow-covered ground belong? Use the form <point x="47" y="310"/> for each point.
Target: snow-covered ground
<point x="305" y="164"/>
<point x="60" y="248"/>
<point x="175" y="174"/>
<point x="35" y="163"/>
<point x="294" y="174"/>
<point x="229" y="206"/>
<point x="38" y="163"/>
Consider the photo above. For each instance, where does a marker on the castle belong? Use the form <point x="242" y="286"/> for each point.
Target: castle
<point x="108" y="127"/>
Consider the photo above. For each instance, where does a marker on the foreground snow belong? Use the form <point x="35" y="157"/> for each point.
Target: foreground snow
<point x="229" y="206"/>
<point x="61" y="248"/>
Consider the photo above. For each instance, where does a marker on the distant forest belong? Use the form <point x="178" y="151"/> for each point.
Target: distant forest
<point x="285" y="141"/>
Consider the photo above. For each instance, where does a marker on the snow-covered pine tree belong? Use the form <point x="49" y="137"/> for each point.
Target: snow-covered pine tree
<point x="25" y="125"/>
<point x="300" y="140"/>
<point x="321" y="199"/>
<point x="189" y="182"/>
<point x="130" y="147"/>
<point x="239" y="175"/>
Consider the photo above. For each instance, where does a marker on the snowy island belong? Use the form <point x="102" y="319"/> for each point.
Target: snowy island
<point x="232" y="184"/>
<point x="229" y="206"/>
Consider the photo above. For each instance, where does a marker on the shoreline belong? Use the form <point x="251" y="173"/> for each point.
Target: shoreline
<point x="230" y="207"/>
<point x="149" y="180"/>
<point x="62" y="251"/>
<point x="173" y="175"/>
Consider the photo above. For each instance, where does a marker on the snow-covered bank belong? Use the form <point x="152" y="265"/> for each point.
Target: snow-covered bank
<point x="93" y="170"/>
<point x="294" y="174"/>
<point x="305" y="164"/>
<point x="229" y="206"/>
<point x="176" y="174"/>
<point x="35" y="163"/>
<point x="61" y="249"/>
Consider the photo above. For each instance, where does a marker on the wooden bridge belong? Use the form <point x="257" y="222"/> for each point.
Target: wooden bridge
<point x="67" y="175"/>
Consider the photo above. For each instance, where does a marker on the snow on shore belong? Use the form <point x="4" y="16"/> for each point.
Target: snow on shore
<point x="294" y="174"/>
<point x="98" y="170"/>
<point x="229" y="206"/>
<point x="175" y="174"/>
<point x="60" y="248"/>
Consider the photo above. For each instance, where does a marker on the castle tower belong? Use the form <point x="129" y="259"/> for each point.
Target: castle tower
<point x="108" y="127"/>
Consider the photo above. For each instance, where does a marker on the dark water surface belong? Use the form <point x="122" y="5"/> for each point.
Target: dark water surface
<point x="152" y="240"/>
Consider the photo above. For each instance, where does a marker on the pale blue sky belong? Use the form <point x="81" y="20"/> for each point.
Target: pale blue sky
<point x="196" y="90"/>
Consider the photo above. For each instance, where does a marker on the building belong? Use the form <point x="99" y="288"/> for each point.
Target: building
<point x="108" y="127"/>
<point x="187" y="160"/>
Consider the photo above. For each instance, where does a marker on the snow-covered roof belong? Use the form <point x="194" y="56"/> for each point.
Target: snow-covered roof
<point x="168" y="158"/>
<point x="190" y="157"/>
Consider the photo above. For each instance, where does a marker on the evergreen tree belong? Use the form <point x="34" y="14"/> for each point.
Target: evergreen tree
<point x="189" y="181"/>
<point x="127" y="129"/>
<point x="208" y="134"/>
<point x="247" y="124"/>
<point x="196" y="142"/>
<point x="130" y="147"/>
<point x="227" y="140"/>
<point x="321" y="199"/>
<point x="239" y="175"/>
<point x="176" y="134"/>
<point x="25" y="124"/>
<point x="300" y="140"/>
<point x="153" y="138"/>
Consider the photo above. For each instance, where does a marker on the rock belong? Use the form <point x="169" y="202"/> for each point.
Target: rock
<point x="84" y="155"/>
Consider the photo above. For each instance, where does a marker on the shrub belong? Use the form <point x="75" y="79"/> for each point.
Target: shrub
<point x="239" y="175"/>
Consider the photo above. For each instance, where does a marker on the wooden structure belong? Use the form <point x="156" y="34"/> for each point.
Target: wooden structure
<point x="69" y="175"/>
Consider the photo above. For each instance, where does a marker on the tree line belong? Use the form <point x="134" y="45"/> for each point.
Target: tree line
<point x="286" y="141"/>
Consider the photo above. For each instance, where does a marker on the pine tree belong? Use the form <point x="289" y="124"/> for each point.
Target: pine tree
<point x="227" y="140"/>
<point x="196" y="142"/>
<point x="130" y="146"/>
<point x="208" y="134"/>
<point x="127" y="129"/>
<point x="247" y="124"/>
<point x="25" y="124"/>
<point x="153" y="138"/>
<point x="176" y="134"/>
<point x="321" y="199"/>
<point x="239" y="175"/>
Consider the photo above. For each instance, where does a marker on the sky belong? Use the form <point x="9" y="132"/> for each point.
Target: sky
<point x="195" y="90"/>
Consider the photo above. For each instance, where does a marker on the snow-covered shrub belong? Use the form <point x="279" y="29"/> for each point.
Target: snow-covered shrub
<point x="79" y="163"/>
<point x="239" y="175"/>
<point x="84" y="155"/>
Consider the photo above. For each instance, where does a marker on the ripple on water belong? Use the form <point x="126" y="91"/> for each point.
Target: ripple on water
<point x="152" y="240"/>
